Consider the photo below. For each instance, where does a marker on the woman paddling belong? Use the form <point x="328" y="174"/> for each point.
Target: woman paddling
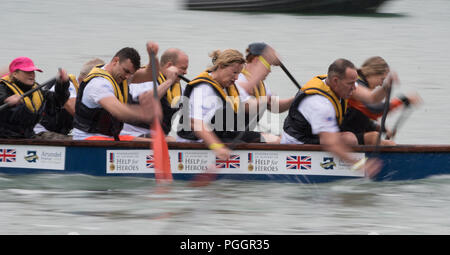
<point x="18" y="120"/>
<point x="211" y="111"/>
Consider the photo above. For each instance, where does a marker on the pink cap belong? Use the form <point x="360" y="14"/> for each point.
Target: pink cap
<point x="23" y="64"/>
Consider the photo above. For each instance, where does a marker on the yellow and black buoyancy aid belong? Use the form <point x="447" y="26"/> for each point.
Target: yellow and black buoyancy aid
<point x="318" y="86"/>
<point x="34" y="103"/>
<point x="295" y="123"/>
<point x="228" y="95"/>
<point x="18" y="121"/>
<point x="173" y="94"/>
<point x="169" y="103"/>
<point x="230" y="98"/>
<point x="98" y="120"/>
<point x="258" y="91"/>
<point x="74" y="81"/>
<point x="120" y="90"/>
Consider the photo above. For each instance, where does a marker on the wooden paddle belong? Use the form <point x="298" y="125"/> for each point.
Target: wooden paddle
<point x="49" y="83"/>
<point x="161" y="157"/>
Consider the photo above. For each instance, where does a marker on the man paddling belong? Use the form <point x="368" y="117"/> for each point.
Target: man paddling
<point x="173" y="62"/>
<point x="101" y="107"/>
<point x="319" y="108"/>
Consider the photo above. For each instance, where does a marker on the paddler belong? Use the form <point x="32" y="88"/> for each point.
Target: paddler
<point x="259" y="98"/>
<point x="210" y="112"/>
<point x="319" y="107"/>
<point x="361" y="118"/>
<point x="102" y="101"/>
<point x="57" y="121"/>
<point x="173" y="62"/>
<point x="18" y="120"/>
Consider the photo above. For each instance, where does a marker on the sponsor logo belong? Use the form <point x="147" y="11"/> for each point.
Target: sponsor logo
<point x="112" y="167"/>
<point x="31" y="156"/>
<point x="250" y="162"/>
<point x="180" y="161"/>
<point x="328" y="163"/>
<point x="192" y="161"/>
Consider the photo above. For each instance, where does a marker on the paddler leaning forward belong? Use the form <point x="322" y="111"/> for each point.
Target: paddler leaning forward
<point x="319" y="107"/>
<point x="211" y="110"/>
<point x="101" y="104"/>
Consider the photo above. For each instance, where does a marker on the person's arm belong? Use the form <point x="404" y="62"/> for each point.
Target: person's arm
<point x="126" y="112"/>
<point x="368" y="96"/>
<point x="283" y="104"/>
<point x="7" y="97"/>
<point x="145" y="74"/>
<point x="70" y="105"/>
<point x="62" y="87"/>
<point x="334" y="144"/>
<point x="202" y="131"/>
<point x="172" y="73"/>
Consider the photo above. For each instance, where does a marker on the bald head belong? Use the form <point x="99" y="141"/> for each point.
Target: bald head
<point x="171" y="55"/>
<point x="174" y="57"/>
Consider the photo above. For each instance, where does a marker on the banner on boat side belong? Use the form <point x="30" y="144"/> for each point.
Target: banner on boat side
<point x="33" y="157"/>
<point x="240" y="162"/>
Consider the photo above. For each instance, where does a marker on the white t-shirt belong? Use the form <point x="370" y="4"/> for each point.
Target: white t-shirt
<point x="243" y="94"/>
<point x="136" y="89"/>
<point x="320" y="114"/>
<point x="203" y="104"/>
<point x="97" y="89"/>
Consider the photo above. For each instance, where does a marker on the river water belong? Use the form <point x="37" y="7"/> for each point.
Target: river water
<point x="412" y="35"/>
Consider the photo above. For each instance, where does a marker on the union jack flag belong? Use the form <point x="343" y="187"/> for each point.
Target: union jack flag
<point x="150" y="162"/>
<point x="7" y="155"/>
<point x="298" y="162"/>
<point x="233" y="162"/>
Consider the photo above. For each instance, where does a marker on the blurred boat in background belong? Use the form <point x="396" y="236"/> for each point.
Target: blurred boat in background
<point x="289" y="6"/>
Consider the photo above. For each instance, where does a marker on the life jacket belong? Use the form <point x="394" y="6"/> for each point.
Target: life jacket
<point x="295" y="123"/>
<point x="74" y="81"/>
<point x="98" y="120"/>
<point x="170" y="103"/>
<point x="18" y="121"/>
<point x="34" y="103"/>
<point x="56" y="118"/>
<point x="230" y="99"/>
<point x="258" y="91"/>
<point x="372" y="111"/>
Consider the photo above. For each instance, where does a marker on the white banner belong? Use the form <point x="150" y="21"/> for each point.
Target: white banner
<point x="34" y="157"/>
<point x="240" y="162"/>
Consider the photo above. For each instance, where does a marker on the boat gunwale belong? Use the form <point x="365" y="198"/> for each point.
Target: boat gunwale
<point x="402" y="148"/>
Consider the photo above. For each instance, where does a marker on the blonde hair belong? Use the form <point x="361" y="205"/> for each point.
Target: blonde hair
<point x="87" y="67"/>
<point x="222" y="59"/>
<point x="374" y="66"/>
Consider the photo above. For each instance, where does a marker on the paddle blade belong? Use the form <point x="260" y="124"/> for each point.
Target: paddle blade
<point x="161" y="158"/>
